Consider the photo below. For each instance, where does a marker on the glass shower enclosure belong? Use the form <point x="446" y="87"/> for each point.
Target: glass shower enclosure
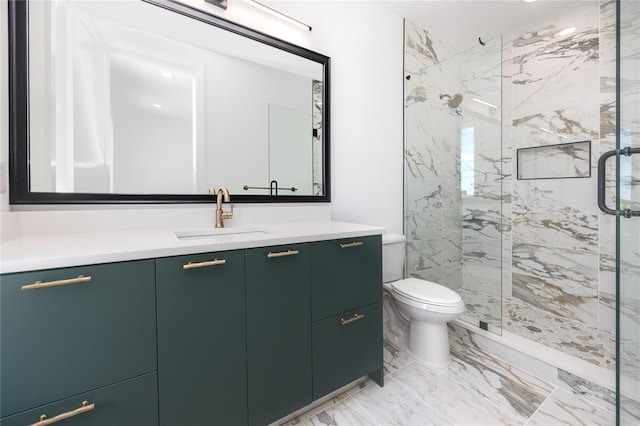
<point x="454" y="178"/>
<point x="627" y="211"/>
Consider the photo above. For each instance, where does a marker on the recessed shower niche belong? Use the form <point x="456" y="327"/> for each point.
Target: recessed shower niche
<point x="566" y="160"/>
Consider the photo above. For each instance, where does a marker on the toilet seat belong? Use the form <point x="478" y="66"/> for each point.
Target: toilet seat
<point x="427" y="295"/>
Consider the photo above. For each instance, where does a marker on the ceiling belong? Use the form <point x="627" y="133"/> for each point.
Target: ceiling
<point x="461" y="22"/>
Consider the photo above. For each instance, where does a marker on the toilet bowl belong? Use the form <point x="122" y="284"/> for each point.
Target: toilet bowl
<point x="425" y="305"/>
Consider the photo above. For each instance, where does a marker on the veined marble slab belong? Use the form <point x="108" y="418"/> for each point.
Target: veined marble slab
<point x="566" y="229"/>
<point x="563" y="408"/>
<point x="541" y="51"/>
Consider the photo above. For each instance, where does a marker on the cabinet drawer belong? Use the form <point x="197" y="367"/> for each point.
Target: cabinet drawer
<point x="68" y="339"/>
<point x="345" y="274"/>
<point x="132" y="402"/>
<point x="346" y="347"/>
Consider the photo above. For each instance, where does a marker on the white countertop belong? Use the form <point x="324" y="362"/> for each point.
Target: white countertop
<point x="27" y="253"/>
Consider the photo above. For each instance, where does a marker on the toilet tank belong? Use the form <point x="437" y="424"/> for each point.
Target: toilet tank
<point x="392" y="257"/>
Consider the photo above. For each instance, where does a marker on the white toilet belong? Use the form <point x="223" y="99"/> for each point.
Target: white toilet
<point x="427" y="306"/>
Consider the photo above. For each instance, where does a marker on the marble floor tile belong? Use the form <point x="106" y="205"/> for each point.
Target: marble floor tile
<point x="476" y="390"/>
<point x="395" y="358"/>
<point x="347" y="413"/>
<point x="563" y="408"/>
<point x="396" y="405"/>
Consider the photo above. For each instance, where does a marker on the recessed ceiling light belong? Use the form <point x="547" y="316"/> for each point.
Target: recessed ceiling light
<point x="156" y="106"/>
<point x="566" y="31"/>
<point x="528" y="1"/>
<point x="167" y="74"/>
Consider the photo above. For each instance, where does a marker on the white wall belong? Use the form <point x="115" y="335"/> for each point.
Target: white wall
<point x="364" y="42"/>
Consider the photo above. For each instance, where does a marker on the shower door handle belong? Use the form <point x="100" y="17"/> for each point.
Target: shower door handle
<point x="602" y="162"/>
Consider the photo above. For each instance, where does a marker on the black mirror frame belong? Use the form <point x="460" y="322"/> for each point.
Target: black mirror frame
<point x="19" y="166"/>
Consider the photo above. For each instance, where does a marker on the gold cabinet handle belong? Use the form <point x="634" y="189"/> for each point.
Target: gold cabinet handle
<point x="41" y="284"/>
<point x="353" y="244"/>
<point x="354" y="318"/>
<point x="44" y="420"/>
<point x="213" y="262"/>
<point x="282" y="253"/>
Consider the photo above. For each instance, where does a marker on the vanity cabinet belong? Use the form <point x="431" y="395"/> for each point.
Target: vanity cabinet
<point x="233" y="337"/>
<point x="346" y="282"/>
<point x="66" y="332"/>
<point x="278" y="331"/>
<point x="202" y="360"/>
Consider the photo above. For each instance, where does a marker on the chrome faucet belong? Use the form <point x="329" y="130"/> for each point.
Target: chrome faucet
<point x="223" y="193"/>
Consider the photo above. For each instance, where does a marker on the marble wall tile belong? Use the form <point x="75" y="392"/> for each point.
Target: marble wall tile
<point x="425" y="194"/>
<point x="574" y="302"/>
<point x="556" y="195"/>
<point x="422" y="50"/>
<point x="558" y="110"/>
<point x="608" y="31"/>
<point x="426" y="158"/>
<point x="563" y="408"/>
<point x="480" y="306"/>
<point x="451" y="276"/>
<point x="424" y="259"/>
<point x="585" y="389"/>
<point x="607" y="311"/>
<point x="540" y="52"/>
<point x="423" y="224"/>
<point x="566" y="229"/>
<point x="561" y="267"/>
<point x="481" y="220"/>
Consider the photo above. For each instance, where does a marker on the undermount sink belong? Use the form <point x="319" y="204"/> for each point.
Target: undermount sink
<point x="219" y="232"/>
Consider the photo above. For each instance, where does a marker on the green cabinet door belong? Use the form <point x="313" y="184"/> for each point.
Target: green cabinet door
<point x="79" y="329"/>
<point x="345" y="274"/>
<point x="132" y="402"/>
<point x="278" y="331"/>
<point x="201" y="339"/>
<point x="346" y="347"/>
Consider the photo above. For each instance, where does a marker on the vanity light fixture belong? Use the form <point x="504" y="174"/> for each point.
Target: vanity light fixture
<point x="157" y="106"/>
<point x="280" y="15"/>
<point x="528" y="1"/>
<point x="167" y="74"/>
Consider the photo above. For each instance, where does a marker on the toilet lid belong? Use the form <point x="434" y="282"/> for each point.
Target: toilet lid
<point x="426" y="292"/>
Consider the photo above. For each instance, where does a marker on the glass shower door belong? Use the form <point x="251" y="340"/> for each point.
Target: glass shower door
<point x="628" y="214"/>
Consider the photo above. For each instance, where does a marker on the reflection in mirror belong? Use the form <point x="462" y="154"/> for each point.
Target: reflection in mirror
<point x="130" y="98"/>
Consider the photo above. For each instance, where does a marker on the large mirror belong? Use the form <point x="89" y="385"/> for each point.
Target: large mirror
<point x="153" y="101"/>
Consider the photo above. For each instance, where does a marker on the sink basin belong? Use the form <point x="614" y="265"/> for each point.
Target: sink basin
<point x="219" y="232"/>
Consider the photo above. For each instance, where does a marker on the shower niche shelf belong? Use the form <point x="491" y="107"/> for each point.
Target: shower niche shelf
<point x="559" y="161"/>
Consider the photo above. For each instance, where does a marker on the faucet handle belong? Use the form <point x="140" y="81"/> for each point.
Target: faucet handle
<point x="229" y="214"/>
<point x="212" y="191"/>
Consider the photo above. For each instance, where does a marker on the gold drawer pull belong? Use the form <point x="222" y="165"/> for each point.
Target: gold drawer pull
<point x="354" y="318"/>
<point x="44" y="420"/>
<point x="41" y="284"/>
<point x="353" y="244"/>
<point x="213" y="262"/>
<point x="282" y="253"/>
